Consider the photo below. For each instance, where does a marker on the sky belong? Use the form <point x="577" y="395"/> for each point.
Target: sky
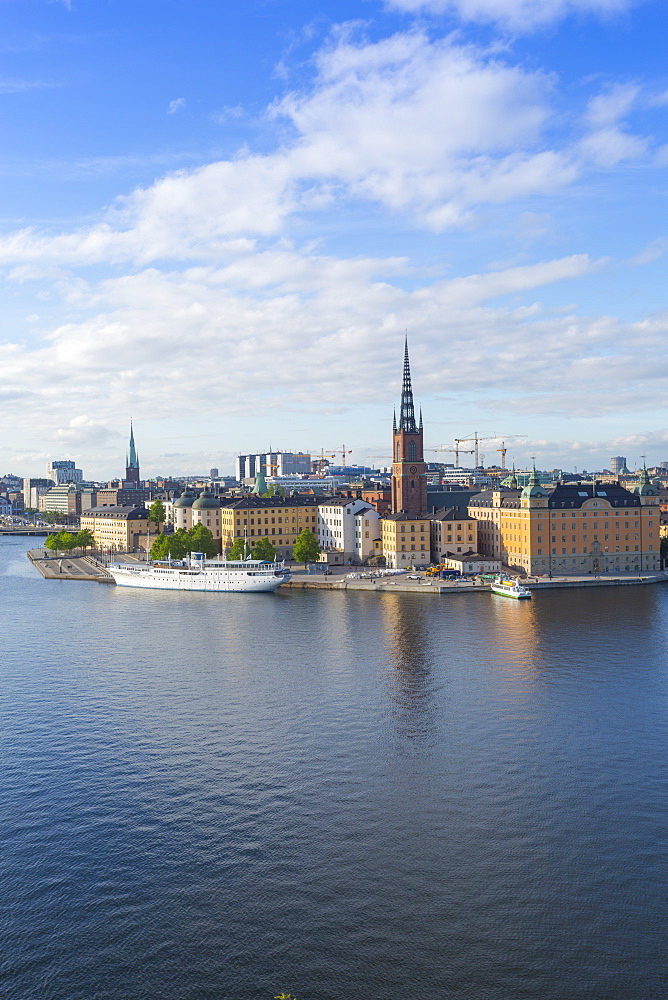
<point x="221" y="220"/>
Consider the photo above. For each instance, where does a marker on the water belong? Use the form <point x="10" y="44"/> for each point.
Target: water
<point x="336" y="795"/>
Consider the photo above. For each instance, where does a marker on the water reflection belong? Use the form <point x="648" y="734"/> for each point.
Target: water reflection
<point x="410" y="681"/>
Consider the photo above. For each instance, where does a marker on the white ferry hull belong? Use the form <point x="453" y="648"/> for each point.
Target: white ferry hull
<point x="241" y="579"/>
<point x="518" y="594"/>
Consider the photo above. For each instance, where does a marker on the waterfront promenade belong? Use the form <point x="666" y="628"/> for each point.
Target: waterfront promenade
<point x="88" y="568"/>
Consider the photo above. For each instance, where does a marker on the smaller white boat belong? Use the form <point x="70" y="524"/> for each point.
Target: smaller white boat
<point x="510" y="588"/>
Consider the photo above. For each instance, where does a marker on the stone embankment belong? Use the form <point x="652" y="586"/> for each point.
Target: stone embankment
<point x="69" y="567"/>
<point x="89" y="568"/>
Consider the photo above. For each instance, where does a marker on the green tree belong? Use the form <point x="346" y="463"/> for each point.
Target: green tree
<point x="62" y="541"/>
<point x="52" y="543"/>
<point x="306" y="547"/>
<point x="239" y="549"/>
<point x="175" y="546"/>
<point x="263" y="549"/>
<point x="84" y="539"/>
<point x="274" y="491"/>
<point x="201" y="540"/>
<point x="157" y="513"/>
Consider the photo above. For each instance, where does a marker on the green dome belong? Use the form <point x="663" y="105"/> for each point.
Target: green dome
<point x="533" y="489"/>
<point x="206" y="501"/>
<point x="186" y="499"/>
<point x="645" y="488"/>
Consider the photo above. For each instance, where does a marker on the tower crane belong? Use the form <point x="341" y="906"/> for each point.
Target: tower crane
<point x="490" y="437"/>
<point x="321" y="461"/>
<point x="343" y="455"/>
<point x="457" y="452"/>
<point x="503" y="448"/>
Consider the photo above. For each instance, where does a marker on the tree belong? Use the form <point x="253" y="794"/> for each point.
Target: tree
<point x="62" y="541"/>
<point x="263" y="549"/>
<point x="157" y="513"/>
<point x="274" y="491"/>
<point x="306" y="547"/>
<point x="201" y="539"/>
<point x="239" y="549"/>
<point x="175" y="546"/>
<point x="84" y="539"/>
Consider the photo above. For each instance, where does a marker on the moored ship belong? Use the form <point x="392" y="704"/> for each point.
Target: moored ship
<point x="510" y="588"/>
<point x="198" y="573"/>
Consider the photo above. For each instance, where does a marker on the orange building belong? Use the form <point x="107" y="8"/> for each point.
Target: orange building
<point x="571" y="529"/>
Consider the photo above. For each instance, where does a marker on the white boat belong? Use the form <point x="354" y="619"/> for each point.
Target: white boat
<point x="510" y="588"/>
<point x="198" y="573"/>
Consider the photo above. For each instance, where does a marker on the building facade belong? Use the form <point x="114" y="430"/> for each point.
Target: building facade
<point x="273" y="463"/>
<point x="348" y="526"/>
<point x="571" y="529"/>
<point x="117" y="529"/>
<point x="280" y="519"/>
<point x="63" y="472"/>
<point x="452" y="534"/>
<point x="405" y="541"/>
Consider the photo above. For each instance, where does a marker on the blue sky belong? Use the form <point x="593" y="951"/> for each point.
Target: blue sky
<point x="221" y="219"/>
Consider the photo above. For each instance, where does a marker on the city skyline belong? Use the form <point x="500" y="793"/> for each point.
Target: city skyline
<point x="231" y="246"/>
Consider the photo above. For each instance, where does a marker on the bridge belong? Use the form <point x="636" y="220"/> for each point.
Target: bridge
<point x="42" y="532"/>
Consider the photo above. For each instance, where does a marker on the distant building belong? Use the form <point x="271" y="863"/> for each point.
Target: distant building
<point x="64" y="499"/>
<point x="273" y="463"/>
<point x="63" y="472"/>
<point x="132" y="462"/>
<point x="213" y="473"/>
<point x="33" y="489"/>
<point x="618" y="465"/>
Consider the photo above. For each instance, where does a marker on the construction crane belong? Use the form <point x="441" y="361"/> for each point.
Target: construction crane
<point x="490" y="437"/>
<point x="503" y="448"/>
<point x="457" y="452"/>
<point x="320" y="462"/>
<point x="343" y="455"/>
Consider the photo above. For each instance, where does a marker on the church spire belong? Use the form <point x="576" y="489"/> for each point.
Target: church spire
<point x="407" y="419"/>
<point x="133" y="460"/>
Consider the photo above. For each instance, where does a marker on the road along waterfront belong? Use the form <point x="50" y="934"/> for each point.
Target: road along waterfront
<point x="331" y="793"/>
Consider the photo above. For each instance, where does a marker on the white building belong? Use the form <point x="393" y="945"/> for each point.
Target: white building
<point x="348" y="527"/>
<point x="273" y="463"/>
<point x="33" y="489"/>
<point x="63" y="472"/>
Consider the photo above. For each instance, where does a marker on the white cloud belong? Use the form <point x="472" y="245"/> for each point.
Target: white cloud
<point x="432" y="130"/>
<point x="516" y="15"/>
<point x="178" y="104"/>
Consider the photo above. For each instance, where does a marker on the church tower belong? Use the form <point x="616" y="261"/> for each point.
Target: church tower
<point x="409" y="482"/>
<point x="132" y="462"/>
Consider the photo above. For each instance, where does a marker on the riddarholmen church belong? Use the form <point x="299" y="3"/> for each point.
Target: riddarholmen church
<point x="405" y="532"/>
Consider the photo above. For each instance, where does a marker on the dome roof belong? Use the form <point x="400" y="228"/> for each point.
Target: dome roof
<point x="206" y="501"/>
<point x="185" y="500"/>
<point x="533" y="488"/>
<point x="645" y="487"/>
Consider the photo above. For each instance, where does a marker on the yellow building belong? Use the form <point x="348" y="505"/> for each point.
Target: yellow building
<point x="117" y="529"/>
<point x="280" y="519"/>
<point x="571" y="529"/>
<point x="452" y="534"/>
<point x="405" y="540"/>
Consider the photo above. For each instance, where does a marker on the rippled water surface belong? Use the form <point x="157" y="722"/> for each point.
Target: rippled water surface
<point x="337" y="795"/>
